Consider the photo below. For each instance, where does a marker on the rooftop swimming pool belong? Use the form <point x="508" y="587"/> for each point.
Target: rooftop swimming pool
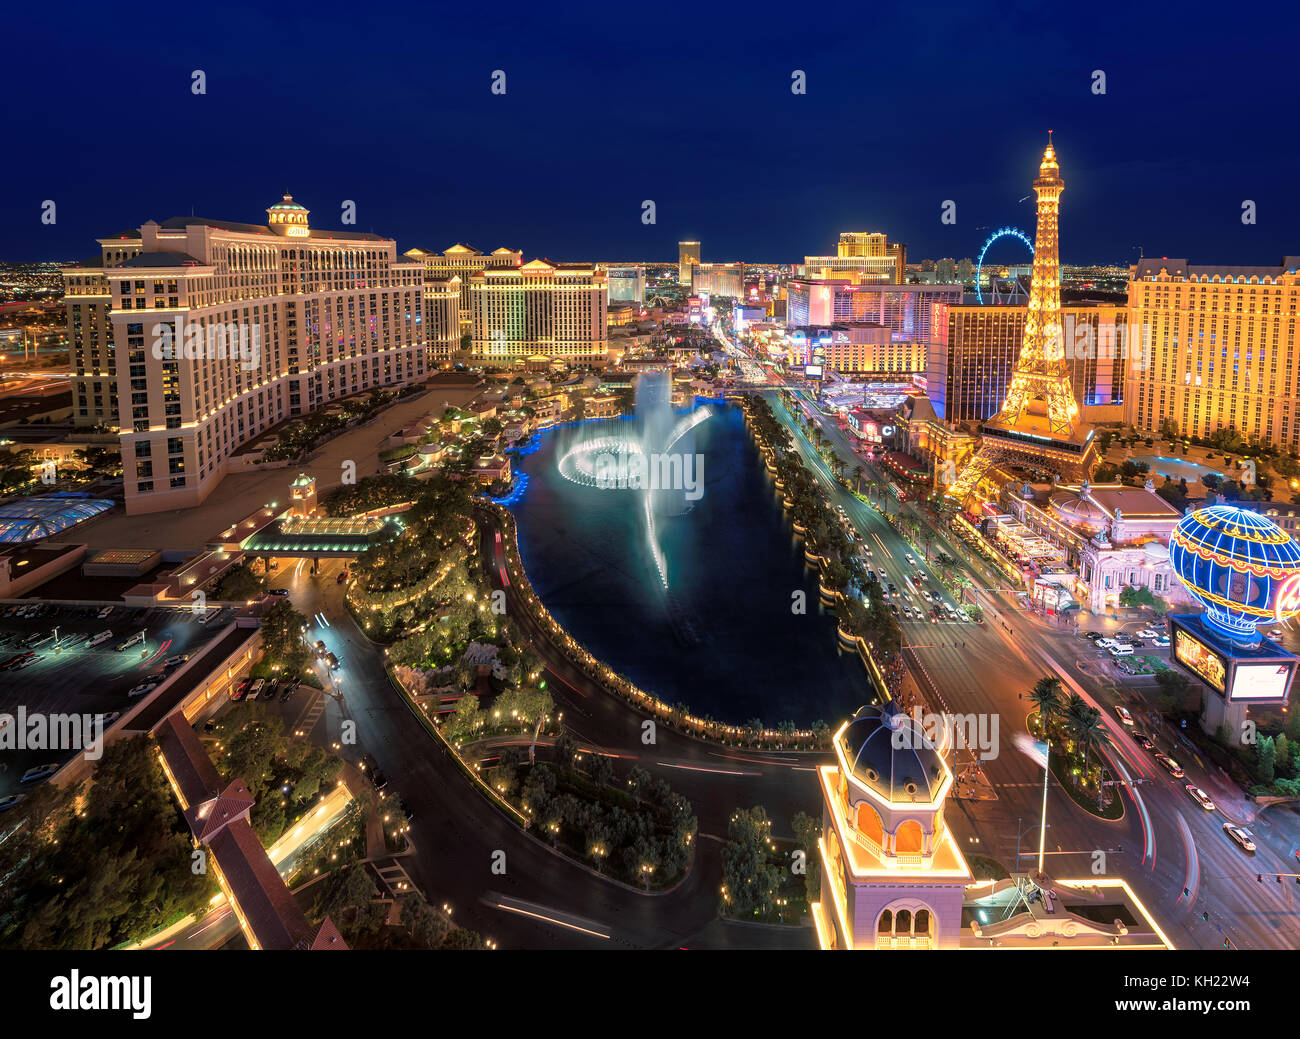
<point x="1176" y="468"/>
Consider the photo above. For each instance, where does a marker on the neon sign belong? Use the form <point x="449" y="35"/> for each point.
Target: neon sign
<point x="1286" y="604"/>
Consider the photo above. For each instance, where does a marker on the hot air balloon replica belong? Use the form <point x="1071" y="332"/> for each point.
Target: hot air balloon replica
<point x="1245" y="570"/>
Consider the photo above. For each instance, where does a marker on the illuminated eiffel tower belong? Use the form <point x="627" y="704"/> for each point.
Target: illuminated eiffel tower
<point x="1039" y="430"/>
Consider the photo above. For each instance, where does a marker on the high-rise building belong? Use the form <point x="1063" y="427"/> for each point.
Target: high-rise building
<point x="906" y="310"/>
<point x="626" y="284"/>
<point x="461" y="261"/>
<point x="719" y="279"/>
<point x="855" y="348"/>
<point x="688" y="254"/>
<point x="217" y="331"/>
<point x="975" y="348"/>
<point x="442" y="328"/>
<point x="1221" y="350"/>
<point x="867" y="255"/>
<point x="541" y="311"/>
<point x="1040" y="429"/>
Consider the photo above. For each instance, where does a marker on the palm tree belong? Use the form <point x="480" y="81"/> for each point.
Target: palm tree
<point x="1046" y="696"/>
<point x="1084" y="726"/>
<point x="857" y="477"/>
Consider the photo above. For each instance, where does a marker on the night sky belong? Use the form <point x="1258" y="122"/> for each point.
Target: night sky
<point x="609" y="104"/>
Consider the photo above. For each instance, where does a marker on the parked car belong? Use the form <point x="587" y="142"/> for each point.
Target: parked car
<point x="1120" y="650"/>
<point x="1162" y="641"/>
<point x="280" y="591"/>
<point x="142" y="689"/>
<point x="104" y="612"/>
<point x="176" y="661"/>
<point x="38" y="772"/>
<point x="240" y="690"/>
<point x="11" y="801"/>
<point x="1200" y="797"/>
<point x="103" y="636"/>
<point x="1241" y="836"/>
<point x="343" y="576"/>
<point x="1094" y="636"/>
<point x="1148" y="633"/>
<point x="256" y="688"/>
<point x="1170" y="766"/>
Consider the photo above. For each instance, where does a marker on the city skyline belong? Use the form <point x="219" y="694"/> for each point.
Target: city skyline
<point x="582" y="478"/>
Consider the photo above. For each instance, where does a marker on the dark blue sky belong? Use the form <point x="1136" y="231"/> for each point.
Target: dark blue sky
<point x="609" y="104"/>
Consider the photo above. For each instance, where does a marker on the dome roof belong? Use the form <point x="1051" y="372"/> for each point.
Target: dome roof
<point x="287" y="203"/>
<point x="1156" y="552"/>
<point x="1075" y="510"/>
<point x="888" y="752"/>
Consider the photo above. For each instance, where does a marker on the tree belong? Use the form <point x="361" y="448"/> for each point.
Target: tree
<point x="807" y="832"/>
<point x="425" y="926"/>
<point x="1046" y="696"/>
<point x="1266" y="753"/>
<point x="239" y="585"/>
<point x="282" y="643"/>
<point x="463" y="939"/>
<point x="750" y="880"/>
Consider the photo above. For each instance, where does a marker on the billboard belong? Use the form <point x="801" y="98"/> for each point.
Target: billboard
<point x="1261" y="682"/>
<point x="1250" y="675"/>
<point x="1210" y="667"/>
<point x="812" y="371"/>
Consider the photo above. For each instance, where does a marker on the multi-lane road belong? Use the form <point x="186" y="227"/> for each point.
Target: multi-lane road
<point x="1165" y="844"/>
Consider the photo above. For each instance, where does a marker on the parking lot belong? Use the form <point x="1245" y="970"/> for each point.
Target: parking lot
<point x="68" y="675"/>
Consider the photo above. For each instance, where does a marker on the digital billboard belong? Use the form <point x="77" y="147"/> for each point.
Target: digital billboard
<point x="812" y="371"/>
<point x="1209" y="665"/>
<point x="1239" y="674"/>
<point x="1257" y="682"/>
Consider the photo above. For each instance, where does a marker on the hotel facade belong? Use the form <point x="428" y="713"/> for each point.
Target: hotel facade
<point x="213" y="332"/>
<point x="975" y="348"/>
<point x="865" y="256"/>
<point x="1223" y="350"/>
<point x="538" y="312"/>
<point x="460" y="262"/>
<point x="906" y="310"/>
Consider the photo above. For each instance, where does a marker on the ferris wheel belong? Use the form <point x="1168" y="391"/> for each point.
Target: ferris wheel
<point x="1001" y="232"/>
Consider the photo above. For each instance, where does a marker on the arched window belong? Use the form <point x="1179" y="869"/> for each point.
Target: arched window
<point x="886" y="924"/>
<point x="903" y="922"/>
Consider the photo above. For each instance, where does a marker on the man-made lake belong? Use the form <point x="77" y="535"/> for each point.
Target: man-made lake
<point x="722" y="638"/>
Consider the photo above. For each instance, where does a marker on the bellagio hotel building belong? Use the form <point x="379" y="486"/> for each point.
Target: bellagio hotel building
<point x="1218" y="349"/>
<point x="267" y="322"/>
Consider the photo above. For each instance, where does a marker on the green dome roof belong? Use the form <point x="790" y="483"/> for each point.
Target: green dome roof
<point x="288" y="203"/>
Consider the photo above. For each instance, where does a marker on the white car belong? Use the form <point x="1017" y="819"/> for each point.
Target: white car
<point x="142" y="688"/>
<point x="1105" y="643"/>
<point x="1124" y="716"/>
<point x="1148" y="633"/>
<point x="1200" y="797"/>
<point x="1120" y="650"/>
<point x="104" y="612"/>
<point x="1161" y="640"/>
<point x="1241" y="836"/>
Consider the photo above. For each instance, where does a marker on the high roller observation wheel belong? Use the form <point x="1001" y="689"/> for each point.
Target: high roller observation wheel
<point x="1001" y="232"/>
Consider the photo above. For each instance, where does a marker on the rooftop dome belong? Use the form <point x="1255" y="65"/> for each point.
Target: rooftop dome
<point x="1073" y="509"/>
<point x="287" y="202"/>
<point x="888" y="752"/>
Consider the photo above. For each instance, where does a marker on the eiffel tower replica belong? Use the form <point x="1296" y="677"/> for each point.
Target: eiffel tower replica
<point x="1039" y="433"/>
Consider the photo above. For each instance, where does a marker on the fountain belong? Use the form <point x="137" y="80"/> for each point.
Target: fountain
<point x="658" y="460"/>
